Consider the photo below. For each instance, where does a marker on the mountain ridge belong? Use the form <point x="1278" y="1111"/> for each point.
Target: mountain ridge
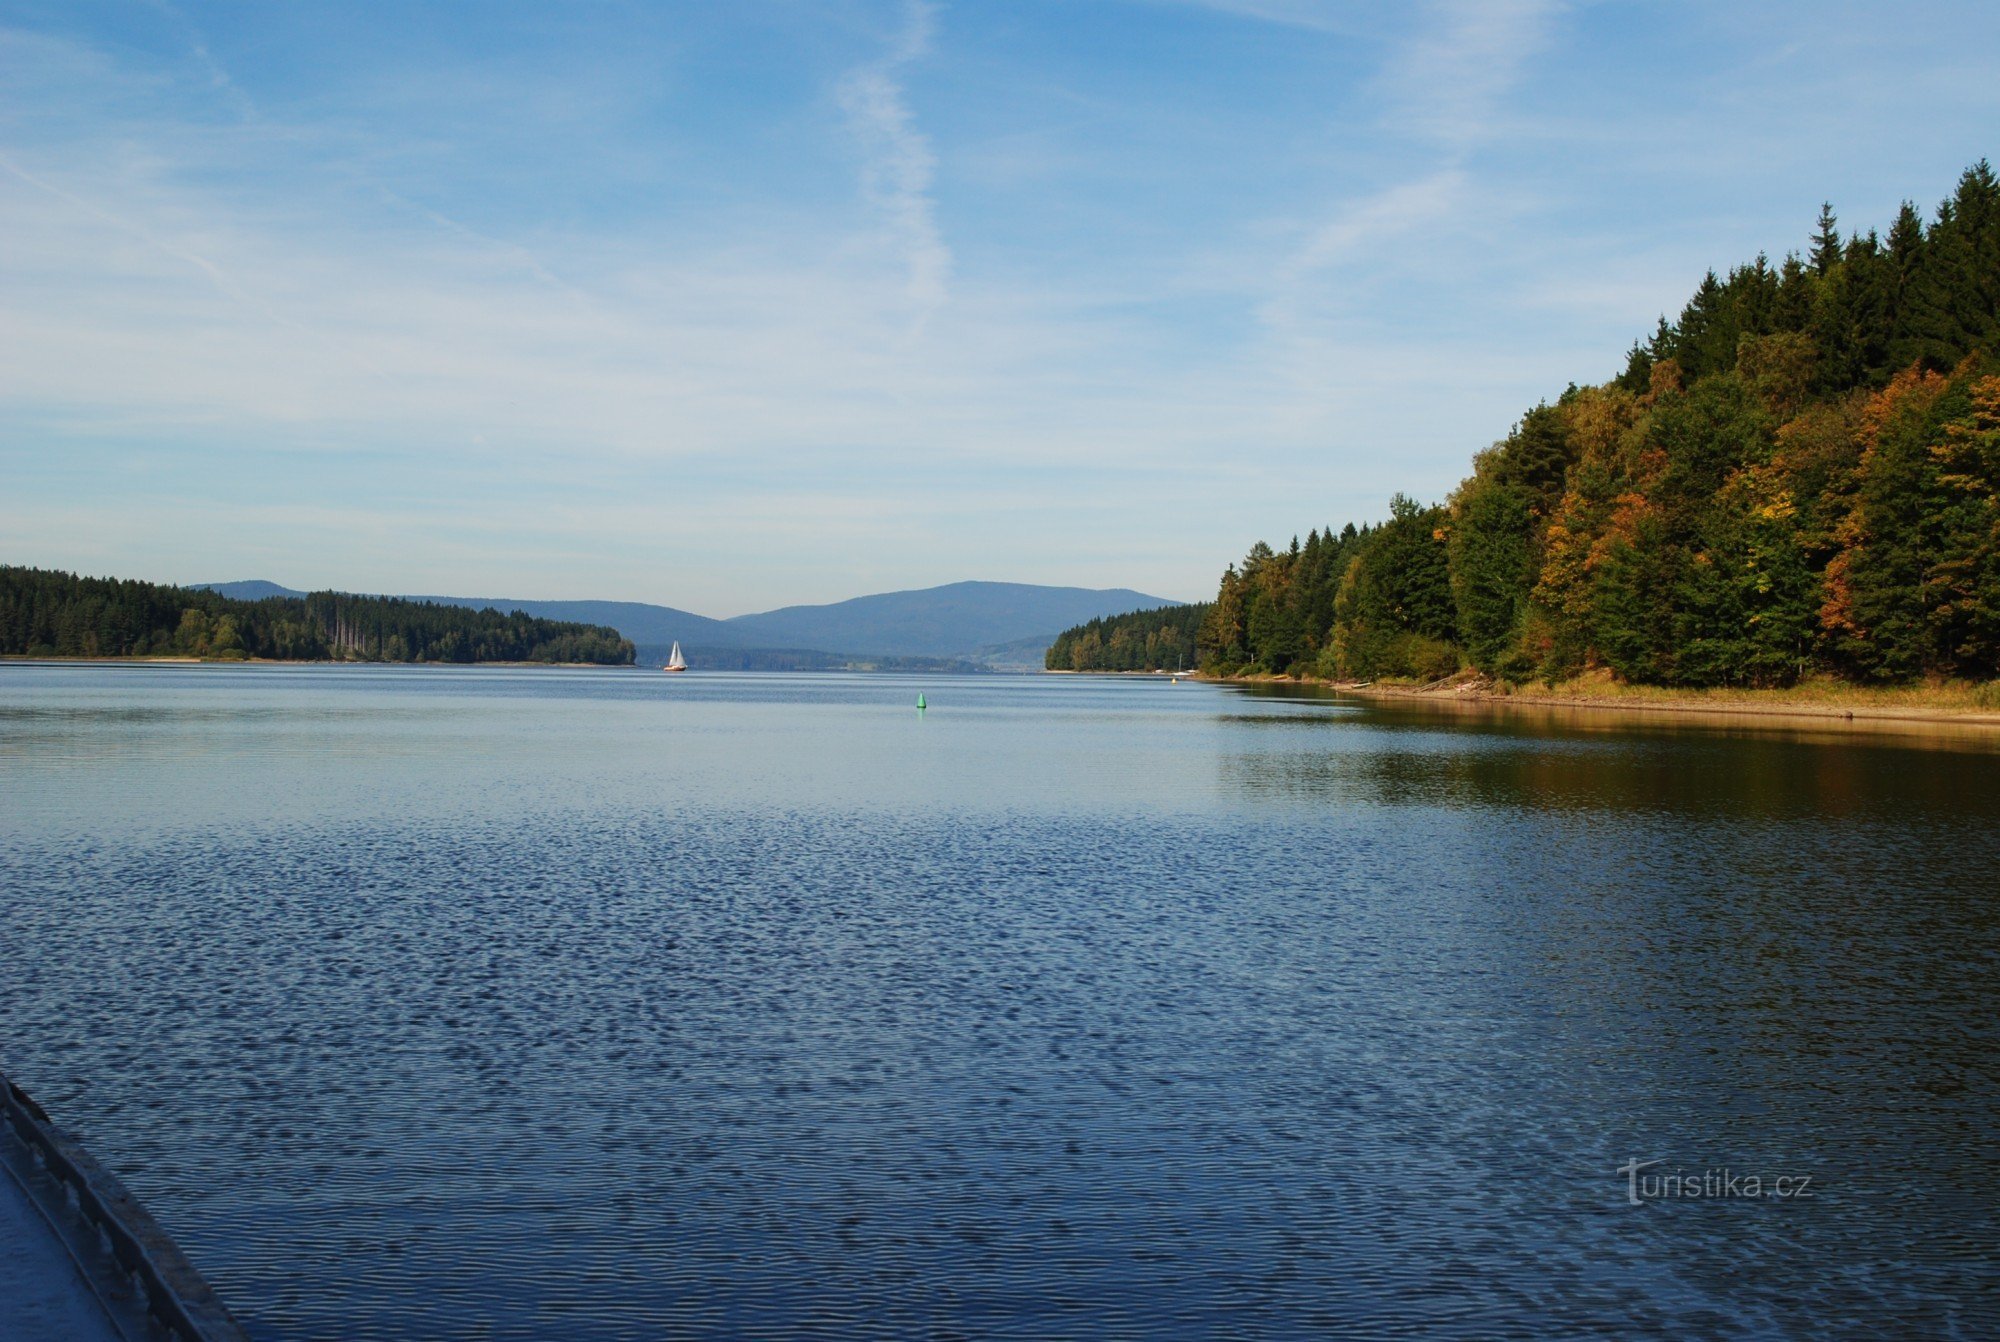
<point x="997" y="624"/>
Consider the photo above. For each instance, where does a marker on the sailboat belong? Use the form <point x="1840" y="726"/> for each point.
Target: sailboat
<point x="675" y="662"/>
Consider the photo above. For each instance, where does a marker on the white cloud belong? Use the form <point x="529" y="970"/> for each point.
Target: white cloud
<point x="214" y="76"/>
<point x="208" y="343"/>
<point x="1448" y="84"/>
<point x="235" y="317"/>
<point x="1321" y="16"/>
<point x="577" y="311"/>
<point x="900" y="163"/>
<point x="1384" y="221"/>
<point x="1442" y="87"/>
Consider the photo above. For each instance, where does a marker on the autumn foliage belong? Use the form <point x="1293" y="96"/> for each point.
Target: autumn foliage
<point x="1799" y="475"/>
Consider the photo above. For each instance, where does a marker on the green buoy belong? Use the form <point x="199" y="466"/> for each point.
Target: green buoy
<point x="921" y="703"/>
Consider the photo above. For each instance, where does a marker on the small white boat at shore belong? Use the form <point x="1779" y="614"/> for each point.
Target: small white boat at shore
<point x="675" y="662"/>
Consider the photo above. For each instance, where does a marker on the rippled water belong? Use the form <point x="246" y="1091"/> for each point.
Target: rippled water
<point x="495" y="1004"/>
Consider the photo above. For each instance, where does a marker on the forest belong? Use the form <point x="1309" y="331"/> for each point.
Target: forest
<point x="1800" y="475"/>
<point x="44" y="613"/>
<point x="1162" y="639"/>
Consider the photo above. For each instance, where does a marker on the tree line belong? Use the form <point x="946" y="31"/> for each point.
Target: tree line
<point x="1799" y="475"/>
<point x="1143" y="640"/>
<point x="45" y="613"/>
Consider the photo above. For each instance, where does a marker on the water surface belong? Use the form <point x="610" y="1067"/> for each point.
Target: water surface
<point x="426" y="1003"/>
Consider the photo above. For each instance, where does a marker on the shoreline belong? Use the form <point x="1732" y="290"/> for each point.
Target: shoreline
<point x="1823" y="702"/>
<point x="1826" y="704"/>
<point x="24" y="659"/>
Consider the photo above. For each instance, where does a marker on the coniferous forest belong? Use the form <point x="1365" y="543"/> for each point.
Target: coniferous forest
<point x="49" y="614"/>
<point x="1145" y="640"/>
<point x="1800" y="475"/>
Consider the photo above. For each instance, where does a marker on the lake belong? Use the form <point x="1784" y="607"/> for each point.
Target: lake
<point x="425" y="1003"/>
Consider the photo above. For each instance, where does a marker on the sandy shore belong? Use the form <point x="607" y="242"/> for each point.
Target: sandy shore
<point x="1824" y="703"/>
<point x="1775" y="707"/>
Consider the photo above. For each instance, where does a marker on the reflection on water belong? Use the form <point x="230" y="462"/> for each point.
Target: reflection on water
<point x="426" y="1003"/>
<point x="1637" y="719"/>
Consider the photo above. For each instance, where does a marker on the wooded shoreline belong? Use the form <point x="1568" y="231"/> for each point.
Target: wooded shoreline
<point x="50" y="613"/>
<point x="1961" y="704"/>
<point x="27" y="659"/>
<point x="1796" y="482"/>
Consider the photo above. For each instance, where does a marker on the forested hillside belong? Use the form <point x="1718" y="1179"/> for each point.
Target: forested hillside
<point x="1800" y="474"/>
<point x="1143" y="640"/>
<point x="50" y="614"/>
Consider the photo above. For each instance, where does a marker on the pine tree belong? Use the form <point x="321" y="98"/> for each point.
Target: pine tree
<point x="1825" y="254"/>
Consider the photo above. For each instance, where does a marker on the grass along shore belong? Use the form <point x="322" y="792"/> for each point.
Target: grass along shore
<point x="1820" y="697"/>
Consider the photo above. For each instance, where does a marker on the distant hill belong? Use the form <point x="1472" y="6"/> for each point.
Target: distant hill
<point x="255" y="589"/>
<point x="956" y="620"/>
<point x="1000" y="624"/>
<point x="802" y="659"/>
<point x="637" y="620"/>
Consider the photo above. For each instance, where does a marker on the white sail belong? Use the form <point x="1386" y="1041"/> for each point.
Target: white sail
<point x="675" y="662"/>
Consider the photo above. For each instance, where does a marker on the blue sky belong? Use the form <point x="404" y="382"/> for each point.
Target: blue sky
<point x="729" y="306"/>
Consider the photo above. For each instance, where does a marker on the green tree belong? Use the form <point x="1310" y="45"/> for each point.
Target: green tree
<point x="1492" y="565"/>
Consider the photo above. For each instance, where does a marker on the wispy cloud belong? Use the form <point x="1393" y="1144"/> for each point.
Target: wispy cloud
<point x="1442" y="88"/>
<point x="1379" y="221"/>
<point x="1320" y="16"/>
<point x="1410" y="237"/>
<point x="553" y="301"/>
<point x="1448" y="84"/>
<point x="223" y="282"/>
<point x="900" y="163"/>
<point x="224" y="317"/>
<point x="214" y="76"/>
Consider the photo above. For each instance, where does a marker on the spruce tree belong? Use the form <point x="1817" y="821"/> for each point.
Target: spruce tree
<point x="1825" y="254"/>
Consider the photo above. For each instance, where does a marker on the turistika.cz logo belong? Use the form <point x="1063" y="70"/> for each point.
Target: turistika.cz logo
<point x="1641" y="1187"/>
